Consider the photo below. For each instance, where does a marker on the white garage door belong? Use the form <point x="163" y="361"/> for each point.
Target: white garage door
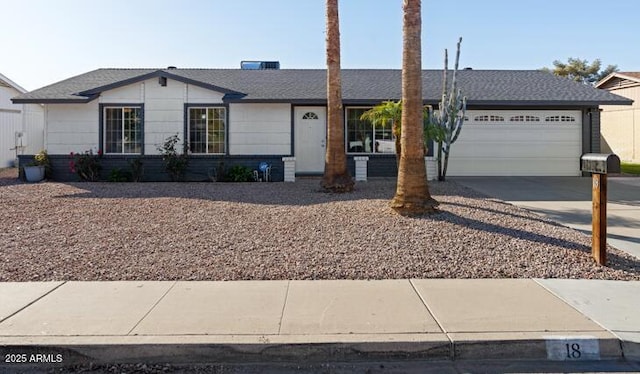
<point x="518" y="143"/>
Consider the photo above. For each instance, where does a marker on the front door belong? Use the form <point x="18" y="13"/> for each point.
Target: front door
<point x="310" y="139"/>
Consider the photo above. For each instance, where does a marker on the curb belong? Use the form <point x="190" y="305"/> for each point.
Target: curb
<point x="630" y="350"/>
<point x="244" y="351"/>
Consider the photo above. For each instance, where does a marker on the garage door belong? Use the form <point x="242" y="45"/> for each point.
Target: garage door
<point x="518" y="143"/>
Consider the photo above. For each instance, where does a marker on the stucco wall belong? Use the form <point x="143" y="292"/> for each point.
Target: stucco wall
<point x="620" y="127"/>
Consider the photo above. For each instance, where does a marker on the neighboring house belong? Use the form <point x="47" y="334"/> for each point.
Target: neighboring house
<point x="21" y="125"/>
<point x="519" y="122"/>
<point x="621" y="125"/>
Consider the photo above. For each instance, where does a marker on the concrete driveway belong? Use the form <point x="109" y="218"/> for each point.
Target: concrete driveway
<point x="567" y="200"/>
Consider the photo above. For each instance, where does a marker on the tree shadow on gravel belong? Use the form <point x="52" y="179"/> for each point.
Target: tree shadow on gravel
<point x="625" y="262"/>
<point x="305" y="191"/>
<point x="300" y="193"/>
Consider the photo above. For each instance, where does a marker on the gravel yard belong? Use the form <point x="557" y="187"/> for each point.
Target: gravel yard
<point x="225" y="231"/>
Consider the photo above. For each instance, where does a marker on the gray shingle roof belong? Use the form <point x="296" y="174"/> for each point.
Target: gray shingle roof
<point x="488" y="87"/>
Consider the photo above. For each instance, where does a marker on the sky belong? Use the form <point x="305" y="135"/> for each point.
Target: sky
<point x="46" y="41"/>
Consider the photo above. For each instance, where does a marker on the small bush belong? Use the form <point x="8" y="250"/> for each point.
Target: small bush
<point x="176" y="164"/>
<point x="117" y="175"/>
<point x="86" y="165"/>
<point x="239" y="173"/>
<point x="137" y="169"/>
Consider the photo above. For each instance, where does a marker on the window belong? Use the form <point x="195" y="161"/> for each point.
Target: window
<point x="310" y="115"/>
<point x="123" y="130"/>
<point x="207" y="130"/>
<point x="523" y="118"/>
<point x="362" y="137"/>
<point x="560" y="119"/>
<point x="488" y="118"/>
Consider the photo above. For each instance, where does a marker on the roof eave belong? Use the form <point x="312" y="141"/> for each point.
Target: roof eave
<point x="79" y="100"/>
<point x="556" y="103"/>
<point x="156" y="74"/>
<point x="511" y="103"/>
<point x="12" y="84"/>
<point x="615" y="75"/>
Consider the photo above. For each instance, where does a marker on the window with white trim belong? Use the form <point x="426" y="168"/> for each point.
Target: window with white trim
<point x="207" y="128"/>
<point x="363" y="137"/>
<point x="123" y="130"/>
<point x="310" y="115"/>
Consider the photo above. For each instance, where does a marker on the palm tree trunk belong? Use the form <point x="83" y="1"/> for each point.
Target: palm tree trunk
<point x="336" y="175"/>
<point x="412" y="192"/>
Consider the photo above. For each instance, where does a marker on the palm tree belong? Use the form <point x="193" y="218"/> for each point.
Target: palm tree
<point x="387" y="113"/>
<point x="336" y="175"/>
<point x="412" y="192"/>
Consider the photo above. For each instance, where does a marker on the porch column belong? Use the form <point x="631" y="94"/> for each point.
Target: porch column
<point x="289" y="169"/>
<point x="361" y="168"/>
<point x="431" y="167"/>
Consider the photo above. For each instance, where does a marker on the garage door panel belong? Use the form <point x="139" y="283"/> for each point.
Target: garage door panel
<point x="514" y="150"/>
<point x="479" y="166"/>
<point x="542" y="143"/>
<point x="514" y="133"/>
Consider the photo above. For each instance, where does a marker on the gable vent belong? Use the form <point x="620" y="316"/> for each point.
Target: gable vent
<point x="260" y="65"/>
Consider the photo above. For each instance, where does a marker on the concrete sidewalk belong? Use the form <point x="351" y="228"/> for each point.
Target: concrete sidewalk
<point x="318" y="321"/>
<point x="567" y="200"/>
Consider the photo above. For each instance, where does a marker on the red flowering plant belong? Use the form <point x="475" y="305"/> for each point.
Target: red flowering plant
<point x="86" y="165"/>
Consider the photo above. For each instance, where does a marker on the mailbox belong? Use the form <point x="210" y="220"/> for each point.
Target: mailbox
<point x="600" y="163"/>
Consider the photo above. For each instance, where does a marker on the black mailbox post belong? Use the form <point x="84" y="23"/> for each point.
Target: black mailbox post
<point x="599" y="165"/>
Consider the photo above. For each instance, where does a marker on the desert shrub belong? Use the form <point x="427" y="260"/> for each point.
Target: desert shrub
<point x="239" y="173"/>
<point x="137" y="169"/>
<point x="118" y="175"/>
<point x="175" y="163"/>
<point x="86" y="165"/>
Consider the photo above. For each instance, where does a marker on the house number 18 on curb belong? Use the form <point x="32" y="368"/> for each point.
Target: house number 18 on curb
<point x="572" y="348"/>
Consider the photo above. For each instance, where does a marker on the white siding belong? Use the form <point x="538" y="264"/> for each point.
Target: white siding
<point x="263" y="129"/>
<point x="199" y="95"/>
<point x="33" y="128"/>
<point x="518" y="148"/>
<point x="72" y="127"/>
<point x="163" y="107"/>
<point x="6" y="93"/>
<point x="10" y="123"/>
<point x="163" y="113"/>
<point x="253" y="128"/>
<point x="25" y="118"/>
<point x="133" y="93"/>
